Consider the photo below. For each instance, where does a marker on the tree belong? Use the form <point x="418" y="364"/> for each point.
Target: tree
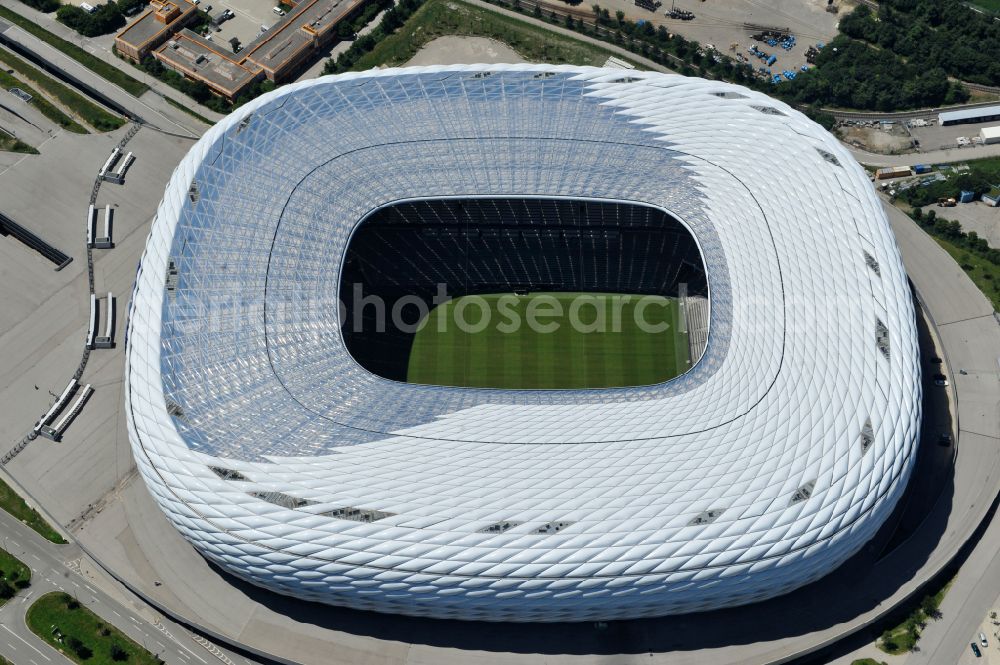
<point x="127" y="7"/>
<point x="196" y="90"/>
<point x="620" y="17"/>
<point x="118" y="654"/>
<point x="77" y="646"/>
<point x="104" y="20"/>
<point x="930" y="604"/>
<point x="43" y="5"/>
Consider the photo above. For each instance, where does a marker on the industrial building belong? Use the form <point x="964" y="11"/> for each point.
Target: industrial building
<point x="276" y="54"/>
<point x="889" y="172"/>
<point x="990" y="134"/>
<point x="968" y="116"/>
<point x="286" y="462"/>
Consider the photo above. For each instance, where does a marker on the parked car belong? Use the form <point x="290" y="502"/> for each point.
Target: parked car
<point x="944" y="440"/>
<point x="936" y="361"/>
<point x="975" y="650"/>
<point x="278" y="10"/>
<point x="982" y="640"/>
<point x="940" y="380"/>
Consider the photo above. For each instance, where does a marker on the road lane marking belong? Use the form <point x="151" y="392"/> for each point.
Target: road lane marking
<point x="163" y="629"/>
<point x="4" y="626"/>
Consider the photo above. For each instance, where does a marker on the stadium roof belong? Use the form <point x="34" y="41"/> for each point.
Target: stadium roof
<point x="764" y="467"/>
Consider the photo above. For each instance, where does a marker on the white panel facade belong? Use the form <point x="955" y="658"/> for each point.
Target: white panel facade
<point x="258" y="434"/>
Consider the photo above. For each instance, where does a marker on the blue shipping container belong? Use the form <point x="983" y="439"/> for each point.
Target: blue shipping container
<point x="966" y="197"/>
<point x="921" y="168"/>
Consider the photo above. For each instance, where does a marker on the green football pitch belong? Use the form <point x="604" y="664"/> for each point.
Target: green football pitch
<point x="550" y="341"/>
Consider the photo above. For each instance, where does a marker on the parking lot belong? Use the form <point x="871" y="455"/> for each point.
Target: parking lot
<point x="936" y="137"/>
<point x="721" y="23"/>
<point x="977" y="216"/>
<point x="248" y="17"/>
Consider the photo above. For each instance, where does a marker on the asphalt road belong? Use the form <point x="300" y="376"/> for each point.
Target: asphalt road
<point x="960" y="312"/>
<point x="57" y="568"/>
<point x="948" y="156"/>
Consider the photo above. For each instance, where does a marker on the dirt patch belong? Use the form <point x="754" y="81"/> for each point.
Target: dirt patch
<point x="872" y="139"/>
<point x="454" y="50"/>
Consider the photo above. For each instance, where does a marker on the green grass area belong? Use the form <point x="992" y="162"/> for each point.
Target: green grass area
<point x="550" y="341"/>
<point x="91" y="62"/>
<point x="985" y="274"/>
<point x="867" y="661"/>
<point x="10" y="144"/>
<point x="92" y="114"/>
<point x="15" y="505"/>
<point x="81" y="635"/>
<point x="48" y="109"/>
<point x="903" y="637"/>
<point x="437" y="18"/>
<point x="991" y="6"/>
<point x="14" y="575"/>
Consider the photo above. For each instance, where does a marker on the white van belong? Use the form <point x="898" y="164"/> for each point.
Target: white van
<point x="90" y="9"/>
<point x="279" y="11"/>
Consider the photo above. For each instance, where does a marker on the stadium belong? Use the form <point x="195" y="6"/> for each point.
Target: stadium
<point x="303" y="422"/>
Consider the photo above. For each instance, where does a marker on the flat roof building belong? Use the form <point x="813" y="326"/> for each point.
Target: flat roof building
<point x="153" y="27"/>
<point x="308" y="26"/>
<point x="990" y="134"/>
<point x="276" y="54"/>
<point x="201" y="60"/>
<point x="984" y="114"/>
